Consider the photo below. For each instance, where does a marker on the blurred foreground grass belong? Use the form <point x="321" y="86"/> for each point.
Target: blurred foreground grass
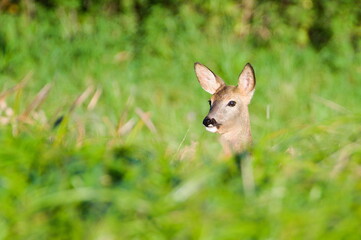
<point x="131" y="160"/>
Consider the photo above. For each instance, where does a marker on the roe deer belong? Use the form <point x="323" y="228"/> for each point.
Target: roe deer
<point x="228" y="114"/>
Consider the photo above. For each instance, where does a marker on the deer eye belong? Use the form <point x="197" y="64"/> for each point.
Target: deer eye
<point x="231" y="103"/>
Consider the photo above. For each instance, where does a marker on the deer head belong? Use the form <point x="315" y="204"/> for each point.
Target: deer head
<point x="228" y="114"/>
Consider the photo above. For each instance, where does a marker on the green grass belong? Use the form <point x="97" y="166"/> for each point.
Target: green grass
<point x="85" y="180"/>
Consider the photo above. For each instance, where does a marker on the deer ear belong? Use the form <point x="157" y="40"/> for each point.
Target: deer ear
<point x="209" y="81"/>
<point x="247" y="81"/>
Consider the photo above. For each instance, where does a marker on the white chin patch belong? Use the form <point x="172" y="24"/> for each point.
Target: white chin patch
<point x="211" y="129"/>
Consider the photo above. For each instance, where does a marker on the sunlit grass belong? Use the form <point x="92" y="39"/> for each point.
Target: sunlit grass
<point x="130" y="158"/>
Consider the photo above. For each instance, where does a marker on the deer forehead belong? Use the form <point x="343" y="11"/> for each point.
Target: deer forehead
<point x="226" y="93"/>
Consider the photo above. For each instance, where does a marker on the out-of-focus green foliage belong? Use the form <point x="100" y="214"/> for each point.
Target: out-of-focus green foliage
<point x="100" y="120"/>
<point x="302" y="22"/>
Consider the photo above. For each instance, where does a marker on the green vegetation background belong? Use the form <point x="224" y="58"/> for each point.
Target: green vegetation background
<point x="130" y="158"/>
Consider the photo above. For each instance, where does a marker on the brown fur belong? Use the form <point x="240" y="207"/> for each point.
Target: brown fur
<point x="233" y="123"/>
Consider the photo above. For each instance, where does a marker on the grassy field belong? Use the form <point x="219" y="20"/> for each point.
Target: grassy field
<point x="130" y="158"/>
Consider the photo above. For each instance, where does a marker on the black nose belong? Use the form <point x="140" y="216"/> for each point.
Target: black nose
<point x="207" y="121"/>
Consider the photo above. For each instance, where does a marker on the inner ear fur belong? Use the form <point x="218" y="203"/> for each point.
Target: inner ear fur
<point x="247" y="80"/>
<point x="209" y="81"/>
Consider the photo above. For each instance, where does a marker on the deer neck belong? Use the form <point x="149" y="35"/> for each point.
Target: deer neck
<point x="238" y="138"/>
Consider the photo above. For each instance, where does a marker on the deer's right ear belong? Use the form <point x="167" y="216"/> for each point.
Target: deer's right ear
<point x="209" y="81"/>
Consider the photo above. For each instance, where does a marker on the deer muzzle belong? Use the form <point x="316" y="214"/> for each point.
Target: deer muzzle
<point x="210" y="124"/>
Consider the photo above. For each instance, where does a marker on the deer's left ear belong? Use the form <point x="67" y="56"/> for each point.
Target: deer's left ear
<point x="247" y="81"/>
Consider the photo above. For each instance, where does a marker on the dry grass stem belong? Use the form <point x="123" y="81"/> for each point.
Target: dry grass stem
<point x="17" y="87"/>
<point x="343" y="158"/>
<point x="146" y="119"/>
<point x="79" y="100"/>
<point x="124" y="115"/>
<point x="93" y="102"/>
<point x="80" y="133"/>
<point x="332" y="105"/>
<point x="38" y="100"/>
<point x="126" y="128"/>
